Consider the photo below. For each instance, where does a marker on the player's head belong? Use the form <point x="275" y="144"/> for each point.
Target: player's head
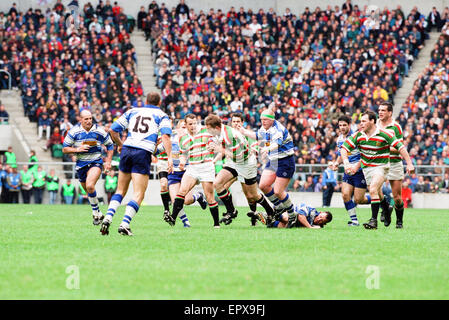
<point x="385" y="110"/>
<point x="191" y="123"/>
<point x="323" y="218"/>
<point x="86" y="119"/>
<point x="237" y="120"/>
<point x="213" y="124"/>
<point x="368" y="121"/>
<point x="267" y="118"/>
<point x="153" y="98"/>
<point x="344" y="124"/>
<point x="181" y="125"/>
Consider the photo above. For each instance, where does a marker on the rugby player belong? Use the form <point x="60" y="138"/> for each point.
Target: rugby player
<point x="143" y="125"/>
<point x="85" y="140"/>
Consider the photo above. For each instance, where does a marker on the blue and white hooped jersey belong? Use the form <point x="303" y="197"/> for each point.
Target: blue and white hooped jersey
<point x="278" y="134"/>
<point x="95" y="137"/>
<point x="308" y="212"/>
<point x="353" y="156"/>
<point x="143" y="126"/>
<point x="175" y="152"/>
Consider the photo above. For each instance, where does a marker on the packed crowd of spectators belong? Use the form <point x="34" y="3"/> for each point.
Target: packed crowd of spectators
<point x="310" y="68"/>
<point x="64" y="63"/>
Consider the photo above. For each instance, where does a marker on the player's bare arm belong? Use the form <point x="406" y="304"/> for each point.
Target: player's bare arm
<point x="167" y="147"/>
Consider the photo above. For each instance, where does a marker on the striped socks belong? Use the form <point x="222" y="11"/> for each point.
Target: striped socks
<point x="273" y="199"/>
<point x="93" y="200"/>
<point x="264" y="203"/>
<point x="227" y="200"/>
<point x="116" y="200"/>
<point x="287" y="204"/>
<point x="213" y="207"/>
<point x="131" y="209"/>
<point x="375" y="205"/>
<point x="350" y="207"/>
<point x="178" y="205"/>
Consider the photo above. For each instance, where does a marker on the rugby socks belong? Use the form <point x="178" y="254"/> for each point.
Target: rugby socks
<point x="227" y="200"/>
<point x="178" y="205"/>
<point x="399" y="209"/>
<point x="287" y="204"/>
<point x="183" y="217"/>
<point x="368" y="199"/>
<point x="375" y="205"/>
<point x="273" y="199"/>
<point x="116" y="199"/>
<point x="93" y="200"/>
<point x="165" y="196"/>
<point x="384" y="204"/>
<point x="264" y="203"/>
<point x="350" y="207"/>
<point x="213" y="207"/>
<point x="131" y="209"/>
<point x="253" y="206"/>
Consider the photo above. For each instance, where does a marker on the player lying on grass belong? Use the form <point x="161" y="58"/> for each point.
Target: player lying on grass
<point x="374" y="145"/>
<point x="85" y="140"/>
<point x="240" y="163"/>
<point x="303" y="216"/>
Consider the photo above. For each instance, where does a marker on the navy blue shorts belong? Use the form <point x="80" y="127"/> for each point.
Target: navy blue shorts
<point x="284" y="168"/>
<point x="134" y="160"/>
<point x="175" y="177"/>
<point x="82" y="172"/>
<point x="357" y="180"/>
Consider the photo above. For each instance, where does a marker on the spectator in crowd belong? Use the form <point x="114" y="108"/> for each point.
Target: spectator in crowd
<point x="44" y="124"/>
<point x="55" y="139"/>
<point x="422" y="185"/>
<point x="10" y="157"/>
<point x="110" y="184"/>
<point x="406" y="194"/>
<point x="434" y="20"/>
<point x="3" y="182"/>
<point x="4" y="115"/>
<point x="33" y="159"/>
<point x="39" y="184"/>
<point x="14" y="183"/>
<point x="68" y="192"/>
<point x="329" y="183"/>
<point x="319" y="185"/>
<point x="52" y="186"/>
<point x="27" y="179"/>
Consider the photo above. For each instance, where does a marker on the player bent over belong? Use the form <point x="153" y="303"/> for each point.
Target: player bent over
<point x="355" y="184"/>
<point x="85" y="140"/>
<point x="193" y="148"/>
<point x="240" y="162"/>
<point x="374" y="145"/>
<point x="175" y="177"/>
<point x="396" y="172"/>
<point x="278" y="147"/>
<point x="304" y="217"/>
<point x="143" y="125"/>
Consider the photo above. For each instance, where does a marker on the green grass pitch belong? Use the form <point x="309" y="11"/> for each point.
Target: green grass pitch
<point x="54" y="252"/>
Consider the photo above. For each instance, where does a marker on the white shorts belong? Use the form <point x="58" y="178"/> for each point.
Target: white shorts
<point x="396" y="171"/>
<point x="161" y="166"/>
<point x="203" y="172"/>
<point x="245" y="170"/>
<point x="370" y="172"/>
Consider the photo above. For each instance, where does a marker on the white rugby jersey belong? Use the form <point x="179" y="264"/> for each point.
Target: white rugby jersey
<point x="143" y="126"/>
<point x="277" y="133"/>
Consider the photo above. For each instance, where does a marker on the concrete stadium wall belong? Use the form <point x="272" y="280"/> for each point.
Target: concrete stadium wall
<point x="11" y="136"/>
<point x="152" y="197"/>
<point x="132" y="6"/>
<point x="5" y="133"/>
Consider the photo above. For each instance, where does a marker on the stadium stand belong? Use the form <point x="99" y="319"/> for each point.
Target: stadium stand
<point x="309" y="68"/>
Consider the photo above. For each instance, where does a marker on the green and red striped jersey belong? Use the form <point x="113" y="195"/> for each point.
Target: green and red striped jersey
<point x="374" y="150"/>
<point x="235" y="142"/>
<point x="194" y="148"/>
<point x="396" y="128"/>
